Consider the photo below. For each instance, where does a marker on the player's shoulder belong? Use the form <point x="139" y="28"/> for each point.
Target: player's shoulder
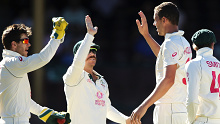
<point x="194" y="62"/>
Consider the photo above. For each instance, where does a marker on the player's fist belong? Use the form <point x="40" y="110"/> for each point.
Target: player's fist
<point x="90" y="29"/>
<point x="59" y="27"/>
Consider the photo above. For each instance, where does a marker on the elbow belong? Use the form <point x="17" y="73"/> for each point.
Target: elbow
<point x="169" y="80"/>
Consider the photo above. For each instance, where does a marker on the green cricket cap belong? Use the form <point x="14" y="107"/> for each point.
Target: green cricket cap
<point x="77" y="45"/>
<point x="203" y="37"/>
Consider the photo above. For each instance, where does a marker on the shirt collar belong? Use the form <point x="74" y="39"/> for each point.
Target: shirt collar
<point x="97" y="74"/>
<point x="168" y="35"/>
<point x="205" y="51"/>
<point x="9" y="53"/>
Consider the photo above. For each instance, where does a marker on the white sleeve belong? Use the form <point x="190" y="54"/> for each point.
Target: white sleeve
<point x="20" y="65"/>
<point x="193" y="72"/>
<point x="35" y="108"/>
<point x="114" y="115"/>
<point x="74" y="72"/>
<point x="171" y="53"/>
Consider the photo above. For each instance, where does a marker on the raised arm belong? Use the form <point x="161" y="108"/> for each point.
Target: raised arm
<point x="75" y="70"/>
<point x="143" y="29"/>
<point x="27" y="64"/>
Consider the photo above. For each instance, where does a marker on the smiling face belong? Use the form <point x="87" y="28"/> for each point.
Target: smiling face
<point x="21" y="47"/>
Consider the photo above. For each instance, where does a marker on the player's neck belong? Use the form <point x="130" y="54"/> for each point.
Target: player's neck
<point x="171" y="28"/>
<point x="88" y="69"/>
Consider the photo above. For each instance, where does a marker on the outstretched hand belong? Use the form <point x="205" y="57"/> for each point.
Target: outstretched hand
<point x="90" y="29"/>
<point x="137" y="114"/>
<point x="142" y="26"/>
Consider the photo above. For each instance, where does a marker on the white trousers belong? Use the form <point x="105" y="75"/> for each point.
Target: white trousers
<point x="170" y="113"/>
<point x="205" y="120"/>
<point x="14" y="120"/>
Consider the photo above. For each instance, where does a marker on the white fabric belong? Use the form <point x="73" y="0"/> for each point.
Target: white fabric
<point x="203" y="85"/>
<point x="87" y="101"/>
<point x="170" y="113"/>
<point x="205" y="120"/>
<point x="15" y="91"/>
<point x="15" y="120"/>
<point x="174" y="50"/>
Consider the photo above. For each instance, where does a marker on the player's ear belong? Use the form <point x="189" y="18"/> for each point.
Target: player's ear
<point x="163" y="19"/>
<point x="13" y="45"/>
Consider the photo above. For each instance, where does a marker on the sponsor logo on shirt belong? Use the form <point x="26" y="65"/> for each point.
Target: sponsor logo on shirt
<point x="187" y="50"/>
<point x="89" y="80"/>
<point x="100" y="102"/>
<point x="213" y="64"/>
<point x="99" y="94"/>
<point x="103" y="84"/>
<point x="174" y="54"/>
<point x="20" y="58"/>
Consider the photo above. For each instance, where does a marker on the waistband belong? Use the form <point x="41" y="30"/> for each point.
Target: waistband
<point x="208" y="120"/>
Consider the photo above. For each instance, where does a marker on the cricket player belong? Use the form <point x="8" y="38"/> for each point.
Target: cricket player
<point x="86" y="90"/>
<point x="169" y="94"/>
<point x="15" y="92"/>
<point x="203" y="81"/>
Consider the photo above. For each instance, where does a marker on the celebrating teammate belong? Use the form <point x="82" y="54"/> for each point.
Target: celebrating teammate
<point x="87" y="91"/>
<point x="203" y="82"/>
<point x="169" y="94"/>
<point x="15" y="92"/>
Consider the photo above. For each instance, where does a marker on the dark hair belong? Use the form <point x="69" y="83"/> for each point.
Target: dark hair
<point x="168" y="10"/>
<point x="13" y="33"/>
<point x="201" y="46"/>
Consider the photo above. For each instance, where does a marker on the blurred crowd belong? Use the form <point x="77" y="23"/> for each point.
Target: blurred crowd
<point x="125" y="59"/>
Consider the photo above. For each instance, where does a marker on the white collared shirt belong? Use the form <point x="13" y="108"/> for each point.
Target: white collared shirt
<point x="15" y="91"/>
<point x="203" y="85"/>
<point x="87" y="101"/>
<point x="174" y="50"/>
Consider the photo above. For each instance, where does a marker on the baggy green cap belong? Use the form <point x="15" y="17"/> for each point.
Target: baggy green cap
<point x="77" y="45"/>
<point x="203" y="37"/>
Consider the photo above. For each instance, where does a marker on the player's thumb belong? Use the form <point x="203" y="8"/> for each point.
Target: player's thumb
<point x="96" y="28"/>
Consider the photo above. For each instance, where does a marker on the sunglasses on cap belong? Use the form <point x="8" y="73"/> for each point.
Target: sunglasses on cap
<point x="94" y="50"/>
<point x="24" y="41"/>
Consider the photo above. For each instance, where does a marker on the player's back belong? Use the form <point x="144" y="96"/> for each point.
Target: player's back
<point x="209" y="96"/>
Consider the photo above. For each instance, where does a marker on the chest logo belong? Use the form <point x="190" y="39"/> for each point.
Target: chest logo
<point x="89" y="80"/>
<point x="99" y="94"/>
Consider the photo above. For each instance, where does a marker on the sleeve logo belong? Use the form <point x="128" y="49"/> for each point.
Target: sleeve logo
<point x="20" y="58"/>
<point x="174" y="54"/>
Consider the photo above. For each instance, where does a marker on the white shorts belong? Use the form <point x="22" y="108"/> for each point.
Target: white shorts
<point x="205" y="120"/>
<point x="14" y="120"/>
<point x="170" y="113"/>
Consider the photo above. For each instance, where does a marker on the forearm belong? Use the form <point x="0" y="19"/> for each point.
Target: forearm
<point x="158" y="92"/>
<point x="191" y="112"/>
<point x="47" y="53"/>
<point x="155" y="47"/>
<point x="75" y="70"/>
<point x="35" y="108"/>
<point x="116" y="116"/>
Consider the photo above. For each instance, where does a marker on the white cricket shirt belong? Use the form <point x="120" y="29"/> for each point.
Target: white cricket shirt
<point x="87" y="101"/>
<point x="174" y="50"/>
<point x="15" y="91"/>
<point x="203" y="85"/>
